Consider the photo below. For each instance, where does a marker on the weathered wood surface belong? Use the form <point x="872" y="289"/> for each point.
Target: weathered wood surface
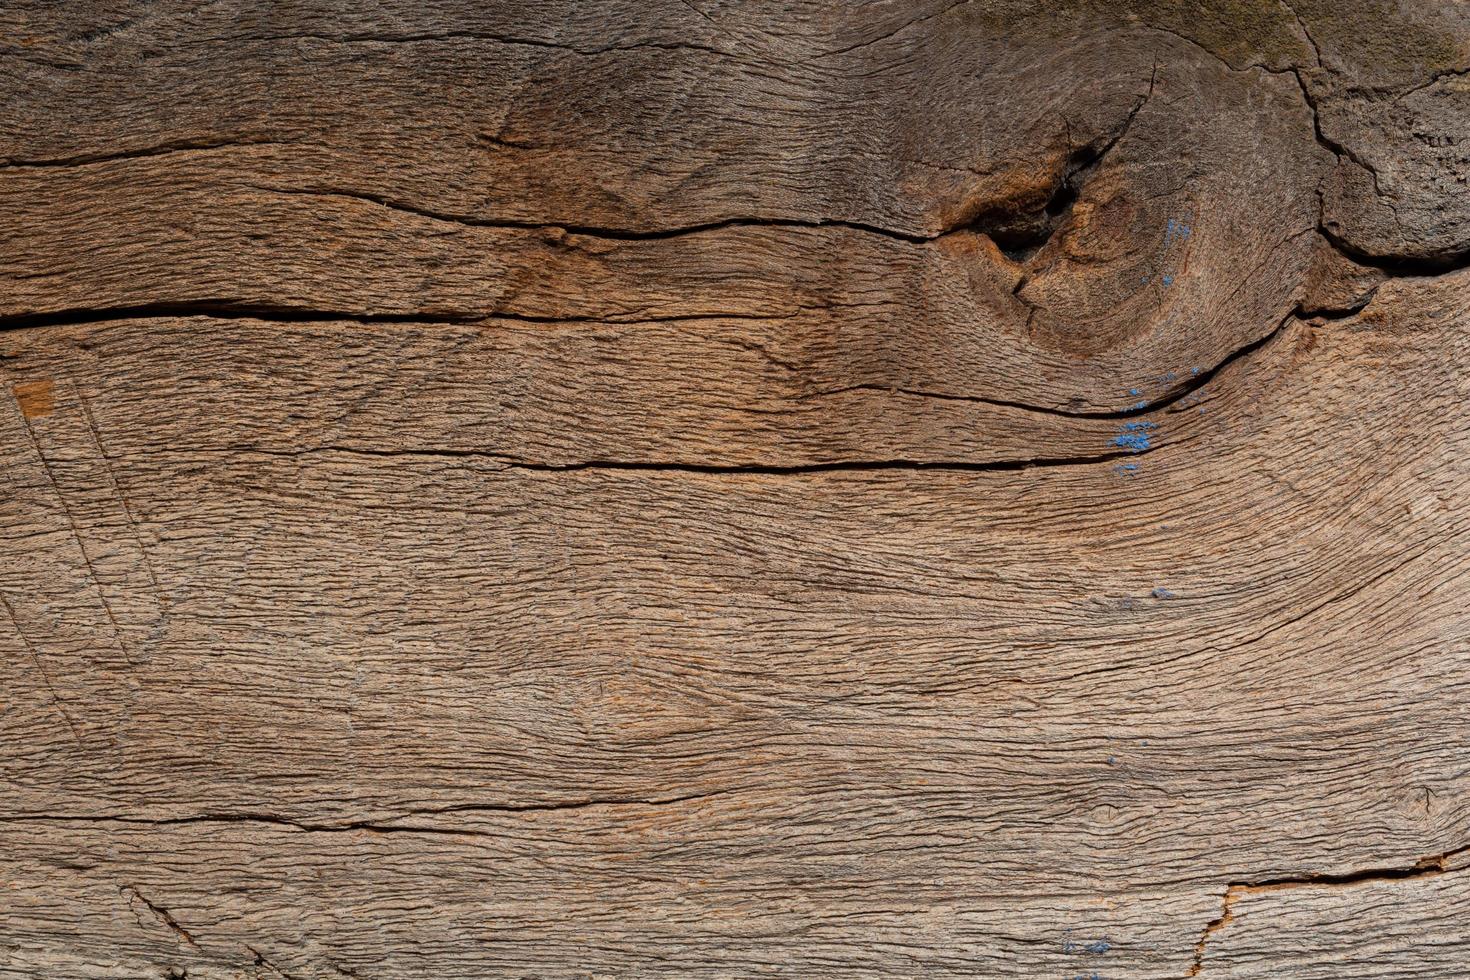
<point x="712" y="489"/>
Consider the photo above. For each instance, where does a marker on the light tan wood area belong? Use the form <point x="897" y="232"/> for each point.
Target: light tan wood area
<point x="714" y="489"/>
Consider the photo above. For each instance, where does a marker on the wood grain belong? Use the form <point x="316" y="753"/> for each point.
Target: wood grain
<point x="722" y="490"/>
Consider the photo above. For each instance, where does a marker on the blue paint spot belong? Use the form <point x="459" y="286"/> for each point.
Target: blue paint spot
<point x="1100" y="946"/>
<point x="1162" y="593"/>
<point x="1168" y="377"/>
<point x="1168" y="280"/>
<point x="1139" y="406"/>
<point x="1134" y="391"/>
<point x="1194" y="370"/>
<point x="1112" y="760"/>
<point x="1134" y="436"/>
<point x="1133" y="442"/>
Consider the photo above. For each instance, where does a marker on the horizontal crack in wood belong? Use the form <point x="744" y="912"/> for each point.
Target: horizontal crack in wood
<point x="1427" y="867"/>
<point x="373" y="826"/>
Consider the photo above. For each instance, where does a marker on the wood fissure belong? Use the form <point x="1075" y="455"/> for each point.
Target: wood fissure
<point x="714" y="490"/>
<point x="1427" y="867"/>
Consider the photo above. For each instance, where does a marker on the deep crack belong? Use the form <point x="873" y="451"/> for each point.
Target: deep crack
<point x="231" y="309"/>
<point x="1400" y="266"/>
<point x="734" y="469"/>
<point x="1427" y="867"/>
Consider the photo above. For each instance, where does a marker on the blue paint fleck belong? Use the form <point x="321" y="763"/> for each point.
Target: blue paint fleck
<point x="1162" y="593"/>
<point x="1134" y="436"/>
<point x="1112" y="760"/>
<point x="1132" y="442"/>
<point x="1194" y="370"/>
<point x="1168" y="280"/>
<point x="1168" y="377"/>
<point x="1097" y="947"/>
<point x="1139" y="406"/>
<point x="1134" y="391"/>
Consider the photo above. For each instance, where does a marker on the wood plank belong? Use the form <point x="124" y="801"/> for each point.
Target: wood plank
<point x="1025" y="672"/>
<point x="718" y="490"/>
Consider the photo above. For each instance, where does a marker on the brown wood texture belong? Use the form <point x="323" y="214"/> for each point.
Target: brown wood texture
<point x="725" y="489"/>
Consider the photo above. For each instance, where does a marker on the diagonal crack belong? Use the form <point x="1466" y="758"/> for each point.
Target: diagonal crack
<point x="76" y="535"/>
<point x="160" y="913"/>
<point x="259" y="959"/>
<point x="1306" y="32"/>
<point x="57" y="701"/>
<point x="166" y="917"/>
